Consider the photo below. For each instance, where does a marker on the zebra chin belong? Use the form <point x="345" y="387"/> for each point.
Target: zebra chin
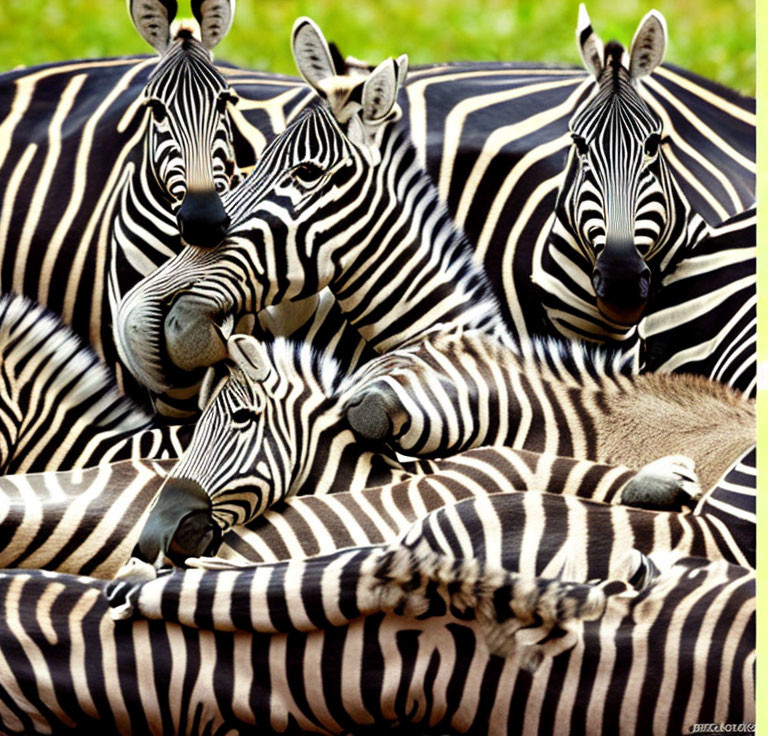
<point x="137" y="332"/>
<point x="625" y="316"/>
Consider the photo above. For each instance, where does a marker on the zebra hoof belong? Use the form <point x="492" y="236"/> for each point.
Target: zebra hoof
<point x="369" y="415"/>
<point x="668" y="483"/>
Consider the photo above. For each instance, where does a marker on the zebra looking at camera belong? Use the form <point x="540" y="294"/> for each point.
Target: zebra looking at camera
<point x="620" y="217"/>
<point x="356" y="213"/>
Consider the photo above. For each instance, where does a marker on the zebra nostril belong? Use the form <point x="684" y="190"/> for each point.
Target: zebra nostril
<point x="598" y="283"/>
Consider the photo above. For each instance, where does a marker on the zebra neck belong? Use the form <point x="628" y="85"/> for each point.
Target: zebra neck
<point x="413" y="269"/>
<point x="335" y="461"/>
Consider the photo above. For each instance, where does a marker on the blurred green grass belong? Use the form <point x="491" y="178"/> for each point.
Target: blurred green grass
<point x="711" y="37"/>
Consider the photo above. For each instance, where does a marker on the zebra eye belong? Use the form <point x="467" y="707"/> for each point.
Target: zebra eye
<point x="651" y="147"/>
<point x="243" y="417"/>
<point x="159" y="112"/>
<point x="308" y="173"/>
<point x="581" y="144"/>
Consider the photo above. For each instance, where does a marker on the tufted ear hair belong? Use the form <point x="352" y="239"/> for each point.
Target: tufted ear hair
<point x="590" y="45"/>
<point x="250" y="356"/>
<point x="215" y="19"/>
<point x="380" y="89"/>
<point x="311" y="52"/>
<point x="215" y="378"/>
<point x="648" y="45"/>
<point x="152" y="19"/>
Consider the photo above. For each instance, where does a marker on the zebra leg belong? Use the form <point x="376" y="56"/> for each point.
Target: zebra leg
<point x="667" y="483"/>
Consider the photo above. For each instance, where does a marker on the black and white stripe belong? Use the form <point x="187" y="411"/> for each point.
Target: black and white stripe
<point x="59" y="406"/>
<point x="280" y="423"/>
<point x="332" y="203"/>
<point x="651" y="659"/>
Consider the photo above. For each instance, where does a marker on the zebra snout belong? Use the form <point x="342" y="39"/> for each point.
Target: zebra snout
<point x="180" y="525"/>
<point x="203" y="221"/>
<point x="622" y="288"/>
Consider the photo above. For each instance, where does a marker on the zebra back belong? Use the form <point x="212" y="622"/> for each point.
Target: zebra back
<point x="59" y="642"/>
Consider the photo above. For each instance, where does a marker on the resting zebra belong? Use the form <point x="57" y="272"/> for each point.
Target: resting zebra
<point x="277" y="425"/>
<point x="88" y="522"/>
<point x="680" y="651"/>
<point x="568" y="522"/>
<point x="460" y="390"/>
<point x="59" y="407"/>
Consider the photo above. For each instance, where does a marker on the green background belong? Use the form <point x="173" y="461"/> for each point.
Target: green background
<point x="712" y="37"/>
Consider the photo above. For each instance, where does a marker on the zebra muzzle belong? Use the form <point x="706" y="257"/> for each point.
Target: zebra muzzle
<point x="180" y="525"/>
<point x="193" y="339"/>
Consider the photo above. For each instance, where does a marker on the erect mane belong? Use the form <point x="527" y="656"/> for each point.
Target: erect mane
<point x="29" y="332"/>
<point x="614" y="53"/>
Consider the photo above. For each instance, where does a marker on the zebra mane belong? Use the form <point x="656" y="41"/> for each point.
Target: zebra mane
<point x="296" y="358"/>
<point x="571" y="358"/>
<point x="30" y="333"/>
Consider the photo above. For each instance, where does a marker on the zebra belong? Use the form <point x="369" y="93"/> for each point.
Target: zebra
<point x="103" y="163"/>
<point x="427" y="665"/>
<point x="59" y="405"/>
<point x="88" y="522"/>
<point x="457" y="390"/>
<point x="396" y="268"/>
<point x="81" y="522"/>
<point x="282" y="422"/>
<point x="575" y="508"/>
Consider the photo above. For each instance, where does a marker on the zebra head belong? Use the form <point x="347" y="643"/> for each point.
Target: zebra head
<point x="618" y="205"/>
<point x="189" y="136"/>
<point x="260" y="421"/>
<point x="302" y="204"/>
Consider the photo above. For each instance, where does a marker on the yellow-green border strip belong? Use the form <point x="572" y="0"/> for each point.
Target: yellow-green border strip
<point x="762" y="356"/>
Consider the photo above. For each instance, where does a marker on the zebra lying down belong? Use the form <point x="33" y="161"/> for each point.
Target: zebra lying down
<point x="265" y="657"/>
<point x="277" y="426"/>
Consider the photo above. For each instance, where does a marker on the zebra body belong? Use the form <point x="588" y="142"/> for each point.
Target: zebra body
<point x="88" y="522"/>
<point x="461" y="390"/>
<point x="59" y="406"/>
<point x="279" y="424"/>
<point x="570" y="518"/>
<point x="83" y="522"/>
<point x="395" y="268"/>
<point x="432" y="673"/>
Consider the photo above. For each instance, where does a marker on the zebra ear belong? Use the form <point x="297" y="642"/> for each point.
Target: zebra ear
<point x="590" y="45"/>
<point x="311" y="52"/>
<point x="153" y="19"/>
<point x="250" y="356"/>
<point x="648" y="45"/>
<point x="380" y="89"/>
<point x="215" y="19"/>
